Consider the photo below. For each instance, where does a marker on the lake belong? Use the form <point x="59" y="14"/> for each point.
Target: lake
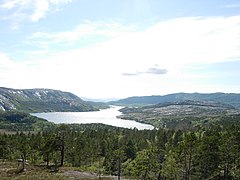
<point x="104" y="116"/>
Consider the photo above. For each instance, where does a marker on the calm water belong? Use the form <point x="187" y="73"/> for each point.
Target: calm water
<point x="105" y="116"/>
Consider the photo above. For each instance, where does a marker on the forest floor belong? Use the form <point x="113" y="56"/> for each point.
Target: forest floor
<point x="12" y="170"/>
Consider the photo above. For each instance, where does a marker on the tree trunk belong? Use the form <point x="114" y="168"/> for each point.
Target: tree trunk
<point x="47" y="159"/>
<point x="62" y="152"/>
<point x="119" y="169"/>
<point x="23" y="162"/>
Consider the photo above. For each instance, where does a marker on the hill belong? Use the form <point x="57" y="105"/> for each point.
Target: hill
<point x="11" y="121"/>
<point x="225" y="98"/>
<point x="41" y="100"/>
<point x="182" y="114"/>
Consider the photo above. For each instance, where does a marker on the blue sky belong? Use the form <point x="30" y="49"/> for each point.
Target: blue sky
<point x="112" y="48"/>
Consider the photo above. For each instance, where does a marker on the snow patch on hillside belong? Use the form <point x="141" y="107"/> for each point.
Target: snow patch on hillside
<point x="2" y="108"/>
<point x="38" y="94"/>
<point x="45" y="92"/>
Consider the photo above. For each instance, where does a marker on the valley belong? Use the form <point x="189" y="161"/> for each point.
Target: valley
<point x="189" y="135"/>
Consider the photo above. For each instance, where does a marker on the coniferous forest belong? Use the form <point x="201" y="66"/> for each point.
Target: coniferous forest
<point x="119" y="89"/>
<point x="203" y="153"/>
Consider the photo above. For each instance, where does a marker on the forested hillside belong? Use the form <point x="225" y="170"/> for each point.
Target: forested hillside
<point x="20" y="121"/>
<point x="204" y="153"/>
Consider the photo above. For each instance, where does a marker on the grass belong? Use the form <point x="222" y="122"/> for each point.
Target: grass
<point x="11" y="170"/>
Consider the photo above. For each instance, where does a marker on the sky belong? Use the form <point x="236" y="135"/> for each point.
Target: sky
<point x="118" y="49"/>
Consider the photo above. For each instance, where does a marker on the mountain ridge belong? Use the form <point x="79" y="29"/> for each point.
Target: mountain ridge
<point x="232" y="99"/>
<point x="41" y="100"/>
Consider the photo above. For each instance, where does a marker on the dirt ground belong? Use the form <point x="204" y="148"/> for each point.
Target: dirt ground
<point x="12" y="170"/>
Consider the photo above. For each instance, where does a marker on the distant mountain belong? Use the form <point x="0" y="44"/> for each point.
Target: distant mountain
<point x="225" y="98"/>
<point x="41" y="100"/>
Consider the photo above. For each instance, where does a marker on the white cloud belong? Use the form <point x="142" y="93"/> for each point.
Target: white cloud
<point x="59" y="2"/>
<point x="97" y="71"/>
<point x="41" y="7"/>
<point x="13" y="73"/>
<point x="29" y="10"/>
<point x="10" y="4"/>
<point x="86" y="30"/>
